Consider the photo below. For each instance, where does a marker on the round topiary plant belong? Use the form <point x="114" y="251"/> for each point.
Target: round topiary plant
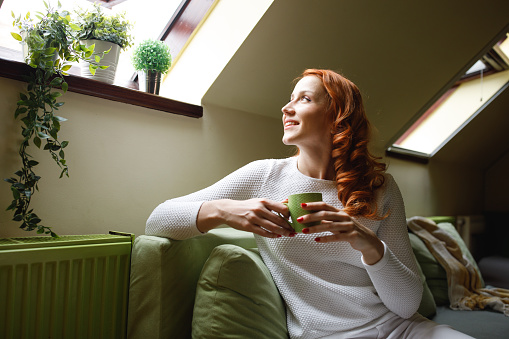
<point x="152" y="55"/>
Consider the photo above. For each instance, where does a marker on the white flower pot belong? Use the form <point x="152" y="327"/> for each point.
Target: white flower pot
<point x="111" y="59"/>
<point x="24" y="47"/>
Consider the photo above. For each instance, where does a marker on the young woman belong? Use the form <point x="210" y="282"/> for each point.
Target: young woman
<point x="353" y="275"/>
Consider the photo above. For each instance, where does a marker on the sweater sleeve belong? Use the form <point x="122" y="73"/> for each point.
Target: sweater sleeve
<point x="395" y="276"/>
<point x="176" y="218"/>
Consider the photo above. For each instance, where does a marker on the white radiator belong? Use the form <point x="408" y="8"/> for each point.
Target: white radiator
<point x="72" y="287"/>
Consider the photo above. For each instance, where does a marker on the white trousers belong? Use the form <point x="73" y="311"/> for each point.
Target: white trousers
<point x="415" y="327"/>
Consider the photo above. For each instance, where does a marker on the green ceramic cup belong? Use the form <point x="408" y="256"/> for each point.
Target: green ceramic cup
<point x="296" y="211"/>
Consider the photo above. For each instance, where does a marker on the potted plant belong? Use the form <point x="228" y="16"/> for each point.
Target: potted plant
<point x="151" y="58"/>
<point x="51" y="48"/>
<point x="106" y="35"/>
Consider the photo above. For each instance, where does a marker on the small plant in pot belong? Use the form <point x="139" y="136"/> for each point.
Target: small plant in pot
<point x="51" y="48"/>
<point x="107" y="35"/>
<point x="55" y="32"/>
<point x="151" y="58"/>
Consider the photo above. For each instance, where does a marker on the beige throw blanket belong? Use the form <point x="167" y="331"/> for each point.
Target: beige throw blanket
<point x="465" y="289"/>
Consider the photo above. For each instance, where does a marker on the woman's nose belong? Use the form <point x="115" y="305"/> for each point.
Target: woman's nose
<point x="287" y="109"/>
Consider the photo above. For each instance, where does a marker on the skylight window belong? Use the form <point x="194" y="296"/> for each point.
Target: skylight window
<point x="148" y="23"/>
<point x="483" y="82"/>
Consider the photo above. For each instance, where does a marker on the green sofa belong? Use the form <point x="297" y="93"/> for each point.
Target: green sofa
<point x="216" y="286"/>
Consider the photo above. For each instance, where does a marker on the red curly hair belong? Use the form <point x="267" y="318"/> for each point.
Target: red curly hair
<point x="358" y="174"/>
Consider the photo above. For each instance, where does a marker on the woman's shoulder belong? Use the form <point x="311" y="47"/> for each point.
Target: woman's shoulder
<point x="389" y="190"/>
<point x="386" y="188"/>
<point x="262" y="168"/>
<point x="389" y="179"/>
<point x="269" y="164"/>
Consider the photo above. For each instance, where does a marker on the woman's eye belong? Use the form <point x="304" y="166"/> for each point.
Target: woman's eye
<point x="306" y="99"/>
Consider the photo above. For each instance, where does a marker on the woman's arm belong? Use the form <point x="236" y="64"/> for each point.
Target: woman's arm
<point x="253" y="215"/>
<point x="395" y="276"/>
<point x="343" y="228"/>
<point x="232" y="201"/>
<point x="387" y="255"/>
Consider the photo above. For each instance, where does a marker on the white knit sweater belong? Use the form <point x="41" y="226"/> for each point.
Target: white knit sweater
<point x="329" y="291"/>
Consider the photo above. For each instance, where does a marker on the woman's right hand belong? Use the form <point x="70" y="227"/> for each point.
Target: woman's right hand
<point x="254" y="215"/>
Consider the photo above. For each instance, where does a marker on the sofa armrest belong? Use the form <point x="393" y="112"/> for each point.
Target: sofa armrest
<point x="164" y="274"/>
<point x="495" y="271"/>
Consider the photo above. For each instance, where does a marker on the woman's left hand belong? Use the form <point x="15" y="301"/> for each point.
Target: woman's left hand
<point x="343" y="228"/>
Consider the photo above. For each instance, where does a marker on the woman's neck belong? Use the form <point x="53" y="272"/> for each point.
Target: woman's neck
<point x="316" y="165"/>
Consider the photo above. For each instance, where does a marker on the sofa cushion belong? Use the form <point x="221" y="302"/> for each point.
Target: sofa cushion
<point x="164" y="274"/>
<point x="436" y="277"/>
<point x="483" y="324"/>
<point x="427" y="307"/>
<point x="237" y="298"/>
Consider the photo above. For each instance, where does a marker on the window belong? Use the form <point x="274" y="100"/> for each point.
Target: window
<point x="487" y="78"/>
<point x="149" y="23"/>
<point x="173" y="19"/>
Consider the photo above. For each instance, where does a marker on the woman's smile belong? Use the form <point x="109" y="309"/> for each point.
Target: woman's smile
<point x="290" y="123"/>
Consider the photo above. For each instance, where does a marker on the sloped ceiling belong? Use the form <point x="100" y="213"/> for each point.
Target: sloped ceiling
<point x="400" y="53"/>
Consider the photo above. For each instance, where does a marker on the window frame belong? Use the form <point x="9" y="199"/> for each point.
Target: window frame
<point x="395" y="151"/>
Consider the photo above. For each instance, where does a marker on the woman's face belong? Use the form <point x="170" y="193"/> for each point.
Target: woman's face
<point x="304" y="118"/>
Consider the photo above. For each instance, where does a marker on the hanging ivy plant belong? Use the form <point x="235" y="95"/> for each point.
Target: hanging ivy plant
<point x="52" y="46"/>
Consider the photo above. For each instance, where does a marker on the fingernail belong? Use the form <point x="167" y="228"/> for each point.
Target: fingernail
<point x="292" y="234"/>
<point x="279" y="235"/>
<point x="303" y="204"/>
<point x="305" y="230"/>
<point x="317" y="239"/>
<point x="299" y="219"/>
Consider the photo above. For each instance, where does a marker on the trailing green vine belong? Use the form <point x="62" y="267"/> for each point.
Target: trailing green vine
<point x="51" y="47"/>
<point x="37" y="109"/>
